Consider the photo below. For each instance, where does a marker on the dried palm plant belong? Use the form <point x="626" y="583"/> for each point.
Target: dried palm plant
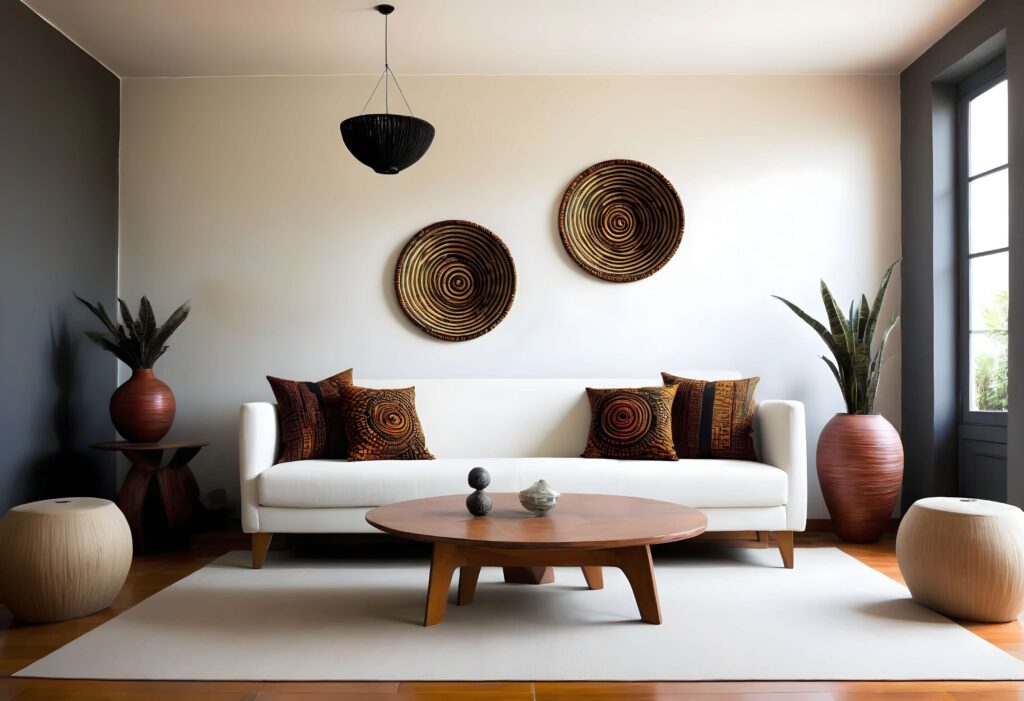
<point x="138" y="342"/>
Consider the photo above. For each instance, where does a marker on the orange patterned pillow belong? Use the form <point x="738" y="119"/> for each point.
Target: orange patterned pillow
<point x="713" y="419"/>
<point x="381" y="424"/>
<point x="309" y="416"/>
<point x="631" y="423"/>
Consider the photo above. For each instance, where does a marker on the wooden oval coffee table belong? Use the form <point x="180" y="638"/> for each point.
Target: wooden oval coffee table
<point x="589" y="531"/>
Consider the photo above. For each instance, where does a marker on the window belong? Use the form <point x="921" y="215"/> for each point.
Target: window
<point x="984" y="245"/>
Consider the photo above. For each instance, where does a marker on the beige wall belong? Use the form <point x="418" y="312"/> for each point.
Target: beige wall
<point x="237" y="193"/>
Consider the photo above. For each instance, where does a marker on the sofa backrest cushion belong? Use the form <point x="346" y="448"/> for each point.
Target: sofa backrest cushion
<point x="512" y="418"/>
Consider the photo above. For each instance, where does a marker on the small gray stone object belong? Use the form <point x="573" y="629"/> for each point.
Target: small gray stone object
<point x="479" y="503"/>
<point x="479" y="478"/>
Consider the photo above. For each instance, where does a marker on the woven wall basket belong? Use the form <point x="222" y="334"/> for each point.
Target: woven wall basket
<point x="621" y="220"/>
<point x="455" y="280"/>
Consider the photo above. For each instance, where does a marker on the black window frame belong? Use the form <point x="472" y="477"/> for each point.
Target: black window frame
<point x="977" y="83"/>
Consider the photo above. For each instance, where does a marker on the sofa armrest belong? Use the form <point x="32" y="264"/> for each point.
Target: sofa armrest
<point x="783" y="434"/>
<point x="257" y="449"/>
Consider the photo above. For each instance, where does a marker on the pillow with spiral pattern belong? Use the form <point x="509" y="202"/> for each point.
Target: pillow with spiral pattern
<point x="635" y="424"/>
<point x="311" y="425"/>
<point x="713" y="419"/>
<point x="381" y="424"/>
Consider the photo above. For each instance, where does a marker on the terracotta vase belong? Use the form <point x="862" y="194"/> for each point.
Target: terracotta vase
<point x="860" y="469"/>
<point x="142" y="409"/>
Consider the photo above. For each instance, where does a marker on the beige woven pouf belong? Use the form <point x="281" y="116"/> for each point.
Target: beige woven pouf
<point x="964" y="557"/>
<point x="62" y="558"/>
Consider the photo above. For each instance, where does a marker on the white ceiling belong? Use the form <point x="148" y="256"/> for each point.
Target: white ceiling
<point x="144" y="38"/>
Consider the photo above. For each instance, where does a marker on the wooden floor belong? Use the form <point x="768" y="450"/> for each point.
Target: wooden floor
<point x="20" y="645"/>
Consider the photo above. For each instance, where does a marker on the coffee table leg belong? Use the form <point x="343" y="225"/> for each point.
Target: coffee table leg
<point x="594" y="576"/>
<point x="638" y="567"/>
<point x="468" y="577"/>
<point x="442" y="567"/>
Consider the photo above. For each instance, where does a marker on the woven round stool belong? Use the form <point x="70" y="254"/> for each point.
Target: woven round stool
<point x="63" y="558"/>
<point x="964" y="557"/>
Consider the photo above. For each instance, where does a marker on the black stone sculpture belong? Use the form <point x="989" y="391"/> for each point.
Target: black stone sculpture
<point x="478" y="502"/>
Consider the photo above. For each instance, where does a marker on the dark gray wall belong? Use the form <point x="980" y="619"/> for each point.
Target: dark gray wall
<point x="59" y="120"/>
<point x="929" y="311"/>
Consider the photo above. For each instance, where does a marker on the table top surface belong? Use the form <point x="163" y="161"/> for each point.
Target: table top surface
<point x="128" y="445"/>
<point x="578" y="521"/>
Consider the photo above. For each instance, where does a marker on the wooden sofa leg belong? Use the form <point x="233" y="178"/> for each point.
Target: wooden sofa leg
<point x="785" y="541"/>
<point x="260" y="546"/>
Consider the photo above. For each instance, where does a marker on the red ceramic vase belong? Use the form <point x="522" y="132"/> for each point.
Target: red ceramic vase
<point x="860" y="469"/>
<point x="142" y="409"/>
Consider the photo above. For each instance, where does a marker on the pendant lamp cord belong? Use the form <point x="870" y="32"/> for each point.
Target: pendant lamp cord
<point x="383" y="76"/>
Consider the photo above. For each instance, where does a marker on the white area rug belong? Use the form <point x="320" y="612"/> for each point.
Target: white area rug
<point x="734" y="617"/>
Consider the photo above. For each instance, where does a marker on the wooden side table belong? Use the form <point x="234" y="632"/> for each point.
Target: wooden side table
<point x="160" y="503"/>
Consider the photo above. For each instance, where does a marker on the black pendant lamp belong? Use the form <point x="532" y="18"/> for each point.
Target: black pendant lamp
<point x="387" y="142"/>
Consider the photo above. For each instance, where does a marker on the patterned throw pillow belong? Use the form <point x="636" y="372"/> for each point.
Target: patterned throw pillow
<point x="381" y="424"/>
<point x="309" y="414"/>
<point x="713" y="419"/>
<point x="631" y="423"/>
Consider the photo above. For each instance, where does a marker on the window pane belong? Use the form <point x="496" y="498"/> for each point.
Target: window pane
<point x="989" y="287"/>
<point x="988" y="391"/>
<point x="989" y="212"/>
<point x="989" y="116"/>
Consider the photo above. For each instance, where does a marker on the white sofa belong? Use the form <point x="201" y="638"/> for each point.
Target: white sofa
<point x="521" y="430"/>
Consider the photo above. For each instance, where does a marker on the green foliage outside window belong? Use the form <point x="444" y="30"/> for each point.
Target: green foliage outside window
<point x="991" y="367"/>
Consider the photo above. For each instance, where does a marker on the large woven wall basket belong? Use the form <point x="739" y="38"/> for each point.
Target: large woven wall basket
<point x="621" y="220"/>
<point x="455" y="280"/>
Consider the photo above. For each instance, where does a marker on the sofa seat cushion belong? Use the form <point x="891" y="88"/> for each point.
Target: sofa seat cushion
<point x="697" y="483"/>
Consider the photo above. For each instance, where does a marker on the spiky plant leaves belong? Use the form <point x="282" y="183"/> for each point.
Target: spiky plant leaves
<point x="159" y="353"/>
<point x="126" y="313"/>
<point x="100" y="313"/>
<point x="147" y="329"/>
<point x="839" y="324"/>
<point x="170" y="326"/>
<point x="826" y="336"/>
<point x="121" y="352"/>
<point x="876" y="365"/>
<point x="137" y="342"/>
<point x="862" y="319"/>
<point x="839" y="379"/>
<point x="147" y="320"/>
<point x="132" y="327"/>
<point x="849" y="338"/>
<point x="876" y="308"/>
<point x="841" y="330"/>
<point x="830" y="341"/>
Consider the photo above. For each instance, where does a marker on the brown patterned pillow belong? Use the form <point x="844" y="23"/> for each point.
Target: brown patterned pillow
<point x="309" y="415"/>
<point x="631" y="423"/>
<point x="713" y="419"/>
<point x="381" y="424"/>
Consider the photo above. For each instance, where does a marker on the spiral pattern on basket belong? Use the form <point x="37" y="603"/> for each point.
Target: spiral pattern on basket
<point x="621" y="220"/>
<point x="455" y="280"/>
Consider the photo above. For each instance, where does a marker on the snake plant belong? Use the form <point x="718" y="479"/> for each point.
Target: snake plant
<point x="137" y="342"/>
<point x="849" y="337"/>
